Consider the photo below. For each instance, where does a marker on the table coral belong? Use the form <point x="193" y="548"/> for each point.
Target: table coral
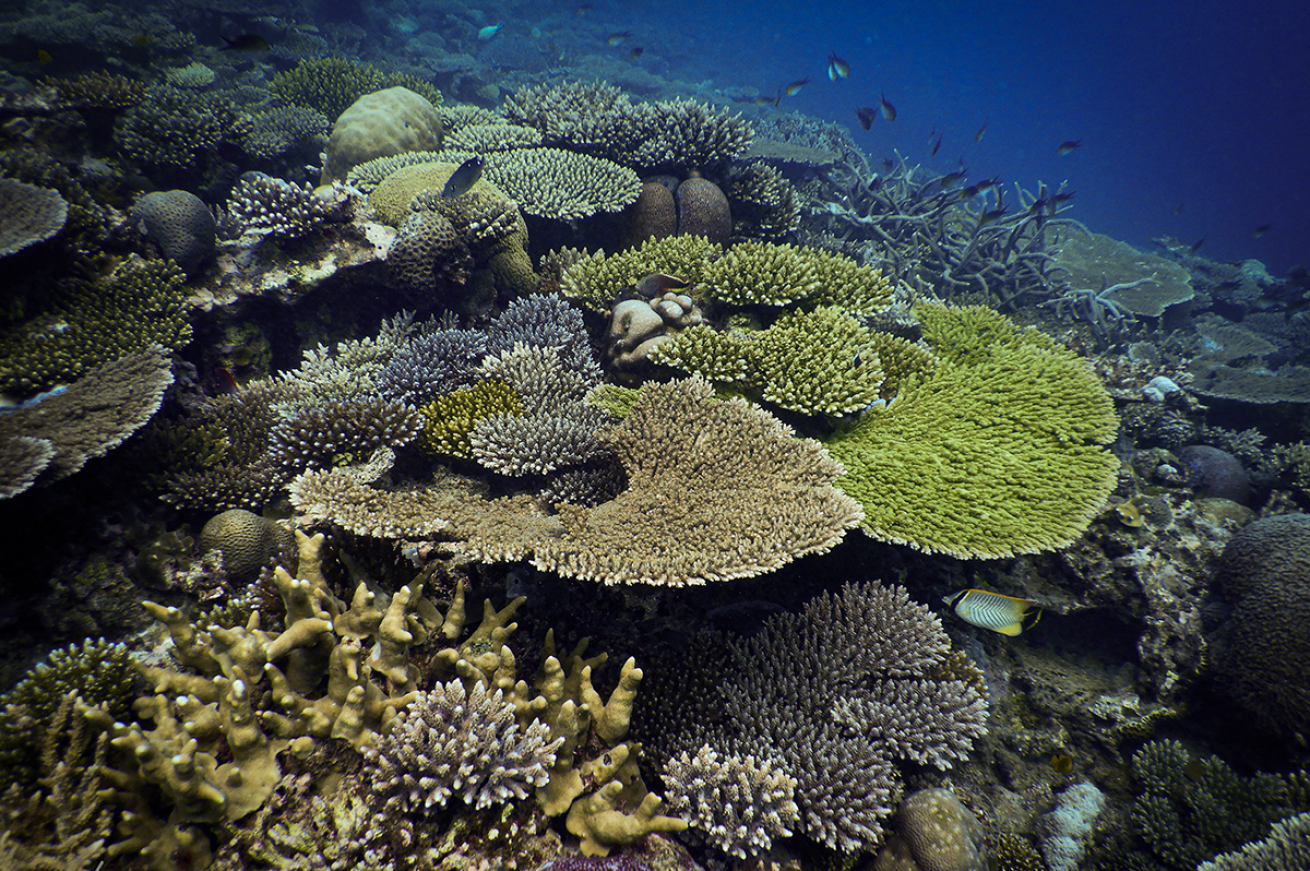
<point x="32" y="214"/>
<point x="999" y="451"/>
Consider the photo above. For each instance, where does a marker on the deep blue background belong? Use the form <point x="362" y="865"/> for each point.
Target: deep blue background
<point x="1194" y="116"/>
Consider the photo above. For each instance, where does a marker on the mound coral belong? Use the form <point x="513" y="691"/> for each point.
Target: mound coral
<point x="247" y="541"/>
<point x="998" y="451"/>
<point x="181" y="225"/>
<point x="380" y="124"/>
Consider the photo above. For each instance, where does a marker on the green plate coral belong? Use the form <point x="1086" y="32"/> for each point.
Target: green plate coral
<point x="999" y="452"/>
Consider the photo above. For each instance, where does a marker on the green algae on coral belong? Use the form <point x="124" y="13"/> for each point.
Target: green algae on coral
<point x="998" y="452"/>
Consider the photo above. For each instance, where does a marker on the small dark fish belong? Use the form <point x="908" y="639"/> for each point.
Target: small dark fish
<point x="1058" y="200"/>
<point x="795" y="87"/>
<point x="988" y="184"/>
<point x="43" y="57"/>
<point x="636" y="53"/>
<point x="866" y="116"/>
<point x="888" y="164"/>
<point x="888" y="110"/>
<point x="991" y="217"/>
<point x="1069" y="146"/>
<point x="937" y="146"/>
<point x="953" y="178"/>
<point x="1196" y="246"/>
<point x="1260" y="231"/>
<point x="583" y="9"/>
<point x="838" y="68"/>
<point x="1178" y="210"/>
<point x="764" y="101"/>
<point x="245" y="42"/>
<point x="970" y="192"/>
<point x="977" y="137"/>
<point x="875" y="183"/>
<point x="462" y="179"/>
<point x="617" y="38"/>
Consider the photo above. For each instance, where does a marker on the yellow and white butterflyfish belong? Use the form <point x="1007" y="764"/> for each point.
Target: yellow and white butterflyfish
<point x="995" y="611"/>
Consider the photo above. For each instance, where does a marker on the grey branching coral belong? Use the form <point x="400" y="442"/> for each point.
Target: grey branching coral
<point x="172" y="127"/>
<point x="455" y="743"/>
<point x="319" y="437"/>
<point x="268" y="205"/>
<point x="739" y="803"/>
<point x="432" y="364"/>
<point x="843" y="692"/>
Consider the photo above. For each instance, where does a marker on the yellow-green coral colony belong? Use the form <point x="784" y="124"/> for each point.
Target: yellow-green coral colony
<point x="999" y="451"/>
<point x="448" y="420"/>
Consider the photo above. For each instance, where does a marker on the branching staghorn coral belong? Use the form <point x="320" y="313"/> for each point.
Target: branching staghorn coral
<point x="939" y="235"/>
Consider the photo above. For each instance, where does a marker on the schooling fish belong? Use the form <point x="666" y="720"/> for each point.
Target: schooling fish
<point x="1260" y="231"/>
<point x="636" y="53"/>
<point x="977" y="137"/>
<point x="888" y="110"/>
<point x="795" y="87"/>
<point x="1004" y="614"/>
<point x="463" y="178"/>
<point x="838" y="68"/>
<point x="866" y="116"/>
<point x="1069" y="146"/>
<point x="937" y="146"/>
<point x="583" y="9"/>
<point x="489" y="31"/>
<point x="245" y="42"/>
<point x="617" y="38"/>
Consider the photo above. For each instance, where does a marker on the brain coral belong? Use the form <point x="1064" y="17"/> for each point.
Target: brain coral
<point x="248" y="542"/>
<point x="1265" y="658"/>
<point x="381" y="124"/>
<point x="31" y="214"/>
<point x="999" y="451"/>
<point x="180" y="223"/>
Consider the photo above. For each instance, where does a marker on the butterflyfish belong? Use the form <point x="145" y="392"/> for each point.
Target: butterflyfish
<point x="999" y="613"/>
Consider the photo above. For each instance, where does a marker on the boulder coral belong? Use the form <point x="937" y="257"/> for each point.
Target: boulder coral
<point x="181" y="225"/>
<point x="381" y="124"/>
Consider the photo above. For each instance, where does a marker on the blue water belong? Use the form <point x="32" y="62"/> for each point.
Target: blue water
<point x="1194" y="117"/>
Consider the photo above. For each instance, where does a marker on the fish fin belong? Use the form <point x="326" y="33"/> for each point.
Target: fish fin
<point x="1035" y="613"/>
<point x="1011" y="628"/>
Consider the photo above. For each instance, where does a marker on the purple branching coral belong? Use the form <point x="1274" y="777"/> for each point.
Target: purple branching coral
<point x="839" y="694"/>
<point x="450" y="742"/>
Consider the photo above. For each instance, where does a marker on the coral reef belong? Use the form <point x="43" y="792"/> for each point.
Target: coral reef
<point x="449" y="743"/>
<point x="933" y="831"/>
<point x="330" y="85"/>
<point x="173" y="128"/>
<point x="1191" y="808"/>
<point x="561" y="185"/>
<point x="247" y="542"/>
<point x="1286" y="849"/>
<point x="266" y="205"/>
<point x="677" y="523"/>
<point x="840" y="731"/>
<point x="139" y="304"/>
